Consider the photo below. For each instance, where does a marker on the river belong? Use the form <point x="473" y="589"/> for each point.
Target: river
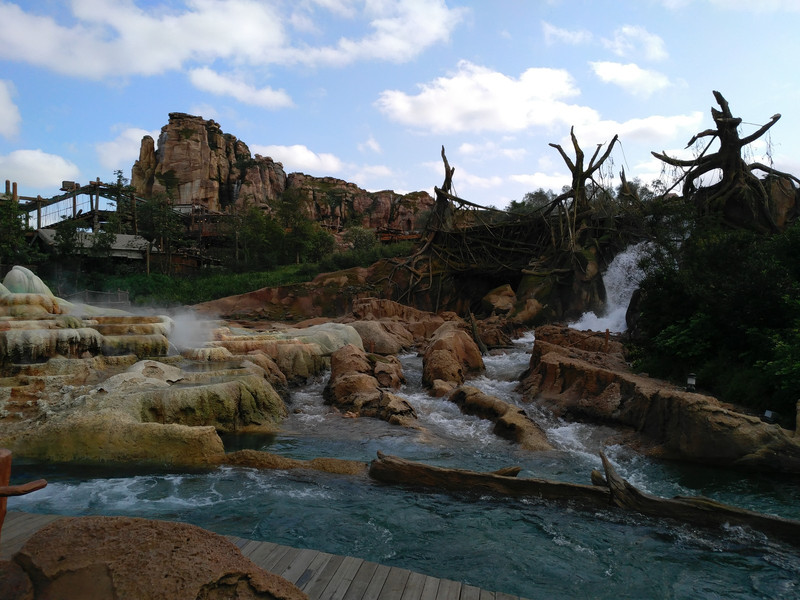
<point x="527" y="547"/>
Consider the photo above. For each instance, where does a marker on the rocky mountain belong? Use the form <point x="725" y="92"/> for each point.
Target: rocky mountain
<point x="196" y="163"/>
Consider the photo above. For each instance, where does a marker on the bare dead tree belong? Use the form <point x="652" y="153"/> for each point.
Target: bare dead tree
<point x="581" y="175"/>
<point x="739" y="197"/>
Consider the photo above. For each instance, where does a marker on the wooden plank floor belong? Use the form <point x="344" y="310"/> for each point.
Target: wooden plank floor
<point x="321" y="575"/>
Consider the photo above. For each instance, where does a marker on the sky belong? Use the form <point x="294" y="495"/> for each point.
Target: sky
<point x="369" y="91"/>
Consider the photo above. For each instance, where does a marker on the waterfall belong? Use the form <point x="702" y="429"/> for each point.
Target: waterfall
<point x="620" y="279"/>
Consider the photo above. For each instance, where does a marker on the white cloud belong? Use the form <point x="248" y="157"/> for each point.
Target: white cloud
<point x="121" y="39"/>
<point x="37" y="169"/>
<point x="632" y="40"/>
<point x="301" y="158"/>
<point x="371" y="145"/>
<point x="371" y="177"/>
<point x="631" y="78"/>
<point x="476" y="99"/>
<point x="652" y="132"/>
<point x="761" y="6"/>
<point x="401" y="30"/>
<point x="490" y="150"/>
<point x="553" y="34"/>
<point x="9" y="113"/>
<point x="464" y="181"/>
<point x="123" y="151"/>
<point x="210" y="81"/>
<point x="547" y="181"/>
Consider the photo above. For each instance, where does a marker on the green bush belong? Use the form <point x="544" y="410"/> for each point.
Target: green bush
<point x="729" y="311"/>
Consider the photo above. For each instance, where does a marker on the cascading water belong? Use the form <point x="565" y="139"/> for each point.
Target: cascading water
<point x="620" y="279"/>
<point x="526" y="547"/>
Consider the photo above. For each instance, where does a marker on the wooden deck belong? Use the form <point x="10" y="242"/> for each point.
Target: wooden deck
<point x="318" y="574"/>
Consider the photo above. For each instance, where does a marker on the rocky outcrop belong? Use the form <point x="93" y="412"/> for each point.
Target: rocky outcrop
<point x="122" y="557"/>
<point x="499" y="300"/>
<point x="196" y="163"/>
<point x="419" y="323"/>
<point x="383" y="337"/>
<point x="72" y="388"/>
<point x="587" y="378"/>
<point x="450" y="356"/>
<point x="298" y="353"/>
<point x="510" y="421"/>
<point x="360" y="385"/>
<point x="337" y="202"/>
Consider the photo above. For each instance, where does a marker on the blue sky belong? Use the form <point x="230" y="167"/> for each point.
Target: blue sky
<point x="368" y="91"/>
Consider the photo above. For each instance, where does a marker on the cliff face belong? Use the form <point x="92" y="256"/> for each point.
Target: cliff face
<point x="338" y="202"/>
<point x="196" y="163"/>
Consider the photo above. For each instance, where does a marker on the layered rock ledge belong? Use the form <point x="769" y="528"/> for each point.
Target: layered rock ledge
<point x="584" y="376"/>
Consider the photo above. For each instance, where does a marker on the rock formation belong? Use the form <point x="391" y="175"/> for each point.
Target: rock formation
<point x="80" y="386"/>
<point x="122" y="557"/>
<point x="195" y="163"/>
<point x="510" y="421"/>
<point x="361" y="385"/>
<point x="583" y="376"/>
<point x="339" y="203"/>
<point x="450" y="356"/>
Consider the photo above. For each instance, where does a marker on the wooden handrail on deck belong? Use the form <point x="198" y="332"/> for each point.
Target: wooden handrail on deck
<point x="12" y="490"/>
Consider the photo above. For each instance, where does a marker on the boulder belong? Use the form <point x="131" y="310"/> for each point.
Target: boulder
<point x="130" y="558"/>
<point x="383" y="337"/>
<point x="360" y="385"/>
<point x="151" y="413"/>
<point x="298" y="353"/>
<point x="596" y="385"/>
<point x="499" y="301"/>
<point x="419" y="323"/>
<point x="450" y="355"/>
<point x="510" y="421"/>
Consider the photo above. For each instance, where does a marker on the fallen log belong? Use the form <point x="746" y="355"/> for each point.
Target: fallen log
<point x="391" y="469"/>
<point x="697" y="510"/>
<point x="606" y="492"/>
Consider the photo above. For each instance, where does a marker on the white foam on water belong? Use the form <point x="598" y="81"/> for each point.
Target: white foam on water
<point x="621" y="280"/>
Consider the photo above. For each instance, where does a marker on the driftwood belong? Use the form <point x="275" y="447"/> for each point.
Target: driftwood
<point x="391" y="469"/>
<point x="606" y="491"/>
<point x="697" y="510"/>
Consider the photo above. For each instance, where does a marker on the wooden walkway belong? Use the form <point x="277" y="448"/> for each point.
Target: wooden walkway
<point x="321" y="575"/>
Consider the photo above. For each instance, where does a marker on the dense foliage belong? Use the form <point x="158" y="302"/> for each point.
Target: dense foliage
<point x="728" y="309"/>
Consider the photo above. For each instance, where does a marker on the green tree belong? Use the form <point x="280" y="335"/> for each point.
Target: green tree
<point x="161" y="225"/>
<point x="532" y="201"/>
<point x="321" y="244"/>
<point x="261" y="238"/>
<point x="14" y="246"/>
<point x="360" y="238"/>
<point x="727" y="310"/>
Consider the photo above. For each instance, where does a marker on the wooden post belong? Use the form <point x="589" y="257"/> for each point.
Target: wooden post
<point x="12" y="490"/>
<point x="38" y="212"/>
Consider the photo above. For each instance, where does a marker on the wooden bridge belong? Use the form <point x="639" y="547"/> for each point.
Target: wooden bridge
<point x="82" y="203"/>
<point x="321" y="575"/>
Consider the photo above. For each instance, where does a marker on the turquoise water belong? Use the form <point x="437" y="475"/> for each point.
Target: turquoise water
<point x="527" y="547"/>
